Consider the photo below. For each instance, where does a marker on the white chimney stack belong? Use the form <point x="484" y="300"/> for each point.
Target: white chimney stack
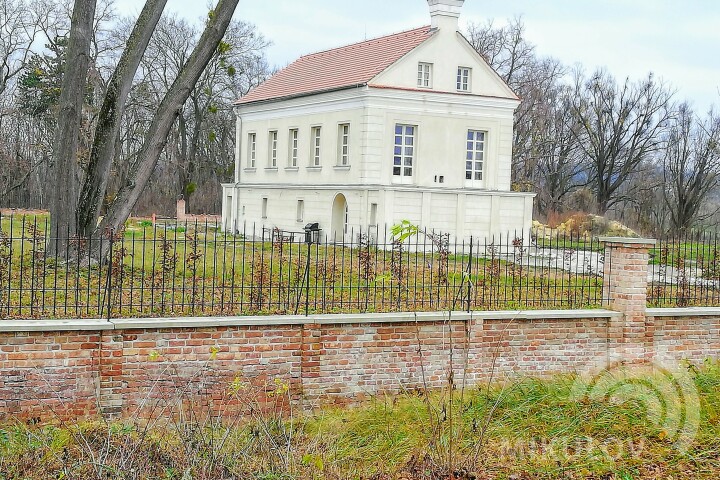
<point x="444" y="14"/>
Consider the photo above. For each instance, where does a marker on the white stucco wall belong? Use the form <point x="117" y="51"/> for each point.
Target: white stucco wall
<point x="372" y="113"/>
<point x="446" y="50"/>
<point x="462" y="214"/>
<point x="442" y="116"/>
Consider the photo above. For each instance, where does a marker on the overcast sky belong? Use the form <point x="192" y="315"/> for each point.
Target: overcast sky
<point x="679" y="40"/>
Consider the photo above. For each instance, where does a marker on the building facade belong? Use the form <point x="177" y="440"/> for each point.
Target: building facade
<point x="413" y="126"/>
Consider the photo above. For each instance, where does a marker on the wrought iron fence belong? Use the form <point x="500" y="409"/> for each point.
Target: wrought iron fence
<point x="685" y="271"/>
<point x="172" y="269"/>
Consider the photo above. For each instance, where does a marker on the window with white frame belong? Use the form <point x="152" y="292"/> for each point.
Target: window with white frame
<point x="272" y="149"/>
<point x="404" y="151"/>
<point x="424" y="75"/>
<point x="475" y="155"/>
<point x="315" y="160"/>
<point x="293" y="148"/>
<point x="463" y="79"/>
<point x="264" y="207"/>
<point x="252" y="149"/>
<point x="344" y="144"/>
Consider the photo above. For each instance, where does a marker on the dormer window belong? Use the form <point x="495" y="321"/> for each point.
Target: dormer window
<point x="463" y="79"/>
<point x="424" y="75"/>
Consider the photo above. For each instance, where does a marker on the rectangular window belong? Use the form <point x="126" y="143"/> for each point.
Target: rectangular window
<point x="344" y="144"/>
<point x="272" y="149"/>
<point x="463" y="79"/>
<point x="300" y="210"/>
<point x="264" y="207"/>
<point x="475" y="155"/>
<point x="404" y="152"/>
<point x="293" y="148"/>
<point x="315" y="147"/>
<point x="425" y="75"/>
<point x="252" y="149"/>
<point x="373" y="214"/>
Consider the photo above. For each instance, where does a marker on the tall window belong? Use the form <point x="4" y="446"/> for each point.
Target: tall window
<point x="315" y="147"/>
<point x="272" y="149"/>
<point x="264" y="207"/>
<point x="252" y="149"/>
<point x="344" y="144"/>
<point x="425" y="75"/>
<point x="293" y="148"/>
<point x="475" y="155"/>
<point x="404" y="152"/>
<point x="463" y="79"/>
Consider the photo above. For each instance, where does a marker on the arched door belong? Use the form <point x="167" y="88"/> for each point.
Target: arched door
<point x="339" y="218"/>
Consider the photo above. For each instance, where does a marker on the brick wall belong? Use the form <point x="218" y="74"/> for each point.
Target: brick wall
<point x="44" y="373"/>
<point x="691" y="334"/>
<point x="52" y="370"/>
<point x="126" y="369"/>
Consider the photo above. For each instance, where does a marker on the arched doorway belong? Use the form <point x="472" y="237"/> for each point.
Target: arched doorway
<point x="340" y="212"/>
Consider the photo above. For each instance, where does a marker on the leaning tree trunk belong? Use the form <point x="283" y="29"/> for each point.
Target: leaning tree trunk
<point x="109" y="121"/>
<point x="167" y="113"/>
<point x="63" y="220"/>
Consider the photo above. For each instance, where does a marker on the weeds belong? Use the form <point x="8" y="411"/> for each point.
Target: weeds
<point x="527" y="426"/>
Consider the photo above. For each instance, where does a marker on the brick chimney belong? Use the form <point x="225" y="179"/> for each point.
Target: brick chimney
<point x="444" y="14"/>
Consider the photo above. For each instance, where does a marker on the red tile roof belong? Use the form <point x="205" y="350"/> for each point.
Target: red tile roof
<point x="338" y="68"/>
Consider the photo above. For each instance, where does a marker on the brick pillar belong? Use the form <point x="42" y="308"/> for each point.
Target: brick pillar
<point x="111" y="374"/>
<point x="310" y="361"/>
<point x="625" y="282"/>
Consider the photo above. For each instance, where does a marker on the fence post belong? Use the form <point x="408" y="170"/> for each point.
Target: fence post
<point x="469" y="277"/>
<point x="625" y="282"/>
<point x="108" y="291"/>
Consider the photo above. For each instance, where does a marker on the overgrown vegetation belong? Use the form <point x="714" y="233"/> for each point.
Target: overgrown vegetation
<point x="522" y="428"/>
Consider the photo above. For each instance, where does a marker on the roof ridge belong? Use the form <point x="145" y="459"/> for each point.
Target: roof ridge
<point x="348" y="45"/>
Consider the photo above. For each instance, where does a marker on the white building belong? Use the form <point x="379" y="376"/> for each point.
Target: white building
<point x="412" y="126"/>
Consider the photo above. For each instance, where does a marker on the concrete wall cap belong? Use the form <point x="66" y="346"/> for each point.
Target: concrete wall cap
<point x="54" y="325"/>
<point x="629" y="241"/>
<point x="683" y="312"/>
<point x="275" y="320"/>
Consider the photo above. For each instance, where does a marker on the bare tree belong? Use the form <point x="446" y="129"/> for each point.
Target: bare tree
<point x="531" y="77"/>
<point x="691" y="164"/>
<point x="20" y="25"/>
<point x="504" y="48"/>
<point x="66" y="211"/>
<point x="167" y="113"/>
<point x="620" y="126"/>
<point x="556" y="151"/>
<point x="113" y="107"/>
<point x="67" y="133"/>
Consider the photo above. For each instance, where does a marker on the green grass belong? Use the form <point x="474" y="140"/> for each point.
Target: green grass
<point x="522" y="428"/>
<point x="170" y="270"/>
